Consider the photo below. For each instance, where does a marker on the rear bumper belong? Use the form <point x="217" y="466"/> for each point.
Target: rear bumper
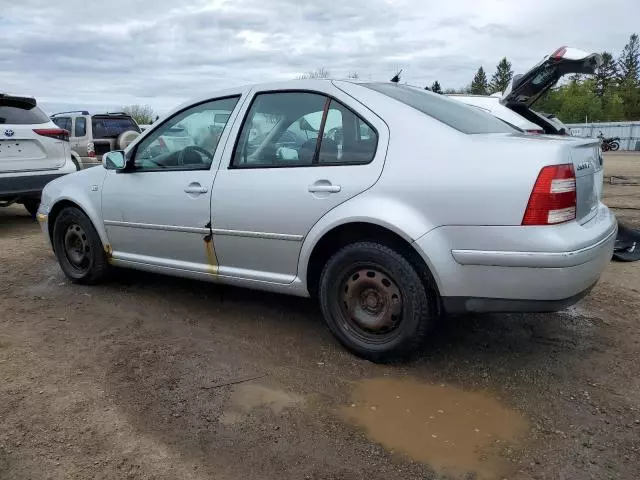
<point x="518" y="269"/>
<point x="25" y="185"/>
<point x="458" y="305"/>
<point x="532" y="259"/>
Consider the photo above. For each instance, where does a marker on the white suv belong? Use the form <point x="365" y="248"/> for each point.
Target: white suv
<point x="33" y="151"/>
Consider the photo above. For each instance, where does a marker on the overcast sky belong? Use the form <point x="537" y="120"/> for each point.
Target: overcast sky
<point x="105" y="54"/>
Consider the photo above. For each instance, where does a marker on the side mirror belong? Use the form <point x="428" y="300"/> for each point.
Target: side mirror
<point x="114" y="160"/>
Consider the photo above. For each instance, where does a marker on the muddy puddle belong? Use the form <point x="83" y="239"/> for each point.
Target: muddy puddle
<point x="452" y="430"/>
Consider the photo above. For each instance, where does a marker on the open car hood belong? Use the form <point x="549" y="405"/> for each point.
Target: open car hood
<point x="529" y="87"/>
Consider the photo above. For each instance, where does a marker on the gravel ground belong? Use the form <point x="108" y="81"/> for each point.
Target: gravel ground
<point x="150" y="377"/>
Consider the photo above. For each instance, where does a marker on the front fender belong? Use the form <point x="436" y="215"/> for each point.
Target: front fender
<point x="84" y="189"/>
<point x="386" y="212"/>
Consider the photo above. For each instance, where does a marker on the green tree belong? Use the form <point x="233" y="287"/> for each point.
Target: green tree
<point x="435" y="87"/>
<point x="503" y="76"/>
<point x="612" y="107"/>
<point x="629" y="78"/>
<point x="629" y="61"/>
<point x="480" y="85"/>
<point x="606" y="75"/>
<point x="142" y="114"/>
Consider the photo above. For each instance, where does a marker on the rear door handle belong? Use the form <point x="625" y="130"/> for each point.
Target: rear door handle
<point x="325" y="188"/>
<point x="195" y="188"/>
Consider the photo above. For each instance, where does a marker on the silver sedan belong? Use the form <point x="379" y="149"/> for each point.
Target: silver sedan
<point x="390" y="204"/>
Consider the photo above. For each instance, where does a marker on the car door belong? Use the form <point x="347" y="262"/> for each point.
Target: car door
<point x="79" y="136"/>
<point x="157" y="211"/>
<point x="297" y="155"/>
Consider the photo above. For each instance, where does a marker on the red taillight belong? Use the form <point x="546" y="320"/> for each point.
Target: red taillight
<point x="91" y="150"/>
<point x="57" y="133"/>
<point x="553" y="199"/>
<point x="559" y="53"/>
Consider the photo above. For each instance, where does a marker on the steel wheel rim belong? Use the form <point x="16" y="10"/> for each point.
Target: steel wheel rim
<point x="77" y="250"/>
<point x="371" y="304"/>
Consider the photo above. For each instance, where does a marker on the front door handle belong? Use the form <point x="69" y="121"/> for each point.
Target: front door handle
<point x="195" y="189"/>
<point x="315" y="188"/>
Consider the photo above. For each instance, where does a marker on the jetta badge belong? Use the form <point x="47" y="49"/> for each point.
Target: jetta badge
<point x="8" y="132"/>
<point x="583" y="166"/>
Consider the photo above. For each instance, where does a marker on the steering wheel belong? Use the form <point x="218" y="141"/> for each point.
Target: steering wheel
<point x="196" y="149"/>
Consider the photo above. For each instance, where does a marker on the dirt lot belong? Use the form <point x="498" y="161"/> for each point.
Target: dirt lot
<point x="150" y="377"/>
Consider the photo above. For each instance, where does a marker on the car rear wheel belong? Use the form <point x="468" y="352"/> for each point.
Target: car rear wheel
<point x="78" y="247"/>
<point x="375" y="302"/>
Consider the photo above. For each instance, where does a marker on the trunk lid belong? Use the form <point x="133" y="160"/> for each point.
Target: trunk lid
<point x="22" y="149"/>
<point x="527" y="88"/>
<point x="586" y="157"/>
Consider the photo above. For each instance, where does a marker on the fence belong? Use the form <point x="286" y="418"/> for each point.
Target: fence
<point x="629" y="132"/>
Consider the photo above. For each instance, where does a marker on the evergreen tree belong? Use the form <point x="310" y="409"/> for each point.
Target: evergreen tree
<point x="435" y="87"/>
<point x="629" y="62"/>
<point x="629" y="78"/>
<point x="606" y="75"/>
<point x="480" y="85"/>
<point x="503" y="76"/>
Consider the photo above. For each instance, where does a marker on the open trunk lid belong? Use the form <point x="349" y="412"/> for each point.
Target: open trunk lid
<point x="527" y="88"/>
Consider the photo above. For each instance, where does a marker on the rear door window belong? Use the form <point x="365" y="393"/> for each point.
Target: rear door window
<point x="448" y="111"/>
<point x="12" y="113"/>
<point x="112" y="127"/>
<point x="282" y="129"/>
<point x="80" y="127"/>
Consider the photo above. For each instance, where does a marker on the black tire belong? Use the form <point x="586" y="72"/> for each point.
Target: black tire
<point x="31" y="205"/>
<point x="614" y="146"/>
<point x="627" y="246"/>
<point x="78" y="248"/>
<point x="390" y="279"/>
<point x="75" y="162"/>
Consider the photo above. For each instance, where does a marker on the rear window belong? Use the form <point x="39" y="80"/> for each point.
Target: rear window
<point x="18" y="114"/>
<point x="450" y="112"/>
<point x="111" y="127"/>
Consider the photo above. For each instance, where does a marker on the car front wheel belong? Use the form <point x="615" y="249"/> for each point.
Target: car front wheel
<point x="78" y="247"/>
<point x="375" y="302"/>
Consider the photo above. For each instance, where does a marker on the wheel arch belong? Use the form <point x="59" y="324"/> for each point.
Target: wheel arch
<point x="75" y="158"/>
<point x="357" y="231"/>
<point x="64" y="202"/>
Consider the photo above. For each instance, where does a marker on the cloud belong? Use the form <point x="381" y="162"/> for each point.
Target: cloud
<point x="98" y="55"/>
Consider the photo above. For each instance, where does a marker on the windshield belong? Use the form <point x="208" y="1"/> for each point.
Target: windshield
<point x="450" y="112"/>
<point x="112" y="127"/>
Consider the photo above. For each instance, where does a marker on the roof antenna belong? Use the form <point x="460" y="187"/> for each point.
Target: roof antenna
<point x="396" y="78"/>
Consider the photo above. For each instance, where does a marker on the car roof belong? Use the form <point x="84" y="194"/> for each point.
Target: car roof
<point x="282" y="85"/>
